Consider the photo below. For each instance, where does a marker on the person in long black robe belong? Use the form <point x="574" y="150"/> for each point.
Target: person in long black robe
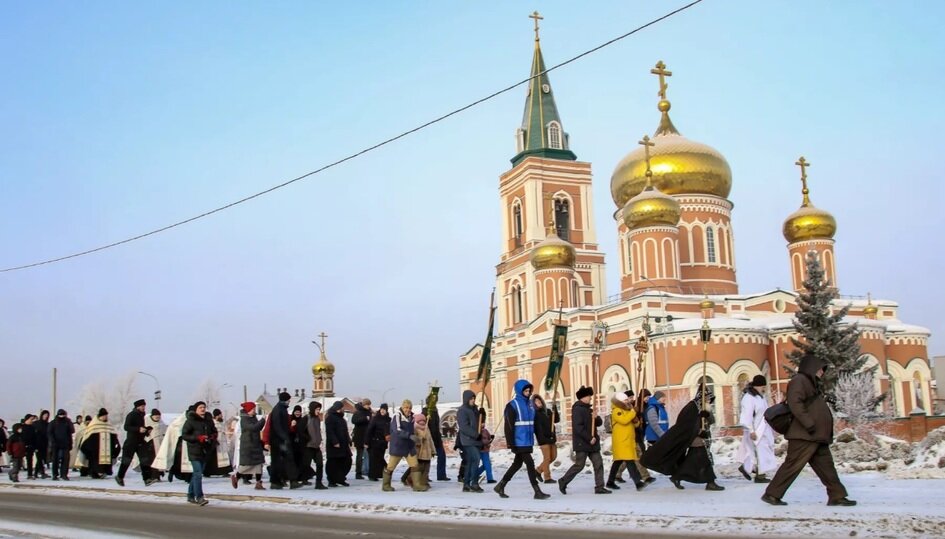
<point x="682" y="453"/>
<point x="97" y="432"/>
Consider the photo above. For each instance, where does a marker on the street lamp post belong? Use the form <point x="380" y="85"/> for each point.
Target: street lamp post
<point x="157" y="393"/>
<point x="705" y="334"/>
<point x="663" y="328"/>
<point x="219" y="389"/>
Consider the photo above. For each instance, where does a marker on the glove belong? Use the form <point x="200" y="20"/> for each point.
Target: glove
<point x="704" y="435"/>
<point x="202" y="438"/>
<point x="705" y="414"/>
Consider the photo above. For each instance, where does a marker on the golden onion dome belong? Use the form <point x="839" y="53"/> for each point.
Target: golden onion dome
<point x="553" y="252"/>
<point x="706" y="303"/>
<point x="651" y="208"/>
<point x="323" y="366"/>
<point x="808" y="222"/>
<point x="870" y="309"/>
<point x="680" y="166"/>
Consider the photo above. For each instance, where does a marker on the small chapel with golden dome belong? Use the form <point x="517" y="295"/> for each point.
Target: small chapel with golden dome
<point x="677" y="268"/>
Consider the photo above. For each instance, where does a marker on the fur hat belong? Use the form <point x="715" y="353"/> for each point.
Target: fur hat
<point x="139" y="402"/>
<point x="285" y="396"/>
<point x="102" y="412"/>
<point x="199" y="403"/>
<point x="628" y="393"/>
<point x="659" y="395"/>
<point x="384" y="406"/>
<point x="758" y="381"/>
<point x="585" y="392"/>
<point x="248" y="406"/>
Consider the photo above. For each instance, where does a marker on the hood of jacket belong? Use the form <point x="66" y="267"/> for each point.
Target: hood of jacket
<point x="810" y="365"/>
<point x="468" y="394"/>
<point x="616" y="402"/>
<point x="520" y="387"/>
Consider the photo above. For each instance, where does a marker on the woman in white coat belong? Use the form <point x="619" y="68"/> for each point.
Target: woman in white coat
<point x="756" y="453"/>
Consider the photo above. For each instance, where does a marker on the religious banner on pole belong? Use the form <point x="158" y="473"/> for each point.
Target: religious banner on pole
<point x="485" y="362"/>
<point x="559" y="343"/>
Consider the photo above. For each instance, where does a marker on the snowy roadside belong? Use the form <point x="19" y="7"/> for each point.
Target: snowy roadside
<point x="888" y="507"/>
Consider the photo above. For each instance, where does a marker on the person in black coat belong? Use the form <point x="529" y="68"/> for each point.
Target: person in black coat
<point x="200" y="435"/>
<point x="435" y="431"/>
<point x="61" y="431"/>
<point x="682" y="453"/>
<point x="135" y="444"/>
<point x="28" y="437"/>
<point x="283" y="467"/>
<point x="360" y="420"/>
<point x="585" y="442"/>
<point x="41" y="428"/>
<point x="337" y="446"/>
<point x="546" y="436"/>
<point x="297" y="435"/>
<point x="375" y="439"/>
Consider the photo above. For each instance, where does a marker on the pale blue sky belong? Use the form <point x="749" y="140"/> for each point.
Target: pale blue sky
<point x="119" y="117"/>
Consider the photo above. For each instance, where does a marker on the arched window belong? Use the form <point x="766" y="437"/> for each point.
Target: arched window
<point x="517" y="228"/>
<point x="710" y="243"/>
<point x="517" y="305"/>
<point x="563" y="219"/>
<point x="709" y="382"/>
<point x="742" y="381"/>
<point x="629" y="257"/>
<point x="917" y="388"/>
<point x="575" y="298"/>
<point x="554" y="135"/>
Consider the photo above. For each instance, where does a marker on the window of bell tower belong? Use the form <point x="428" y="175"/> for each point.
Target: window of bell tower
<point x="554" y="135"/>
<point x="517" y="228"/>
<point x="563" y="219"/>
<point x="710" y="243"/>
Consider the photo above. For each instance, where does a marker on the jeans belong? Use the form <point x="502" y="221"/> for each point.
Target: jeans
<point x="486" y="466"/>
<point x="472" y="465"/>
<point x="60" y="463"/>
<point x="195" y="488"/>
<point x="441" y="463"/>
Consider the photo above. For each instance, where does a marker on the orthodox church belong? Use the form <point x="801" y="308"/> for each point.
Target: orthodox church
<point x="677" y="268"/>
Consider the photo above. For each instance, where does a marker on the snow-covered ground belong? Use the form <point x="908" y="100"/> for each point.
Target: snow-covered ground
<point x="900" y="488"/>
<point x="887" y="507"/>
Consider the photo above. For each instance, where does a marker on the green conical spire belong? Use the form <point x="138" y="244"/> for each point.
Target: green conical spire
<point x="542" y="133"/>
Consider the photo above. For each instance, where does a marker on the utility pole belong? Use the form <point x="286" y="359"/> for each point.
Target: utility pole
<point x="54" y="374"/>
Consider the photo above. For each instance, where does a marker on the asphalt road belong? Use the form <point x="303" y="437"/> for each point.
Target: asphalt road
<point x="146" y="519"/>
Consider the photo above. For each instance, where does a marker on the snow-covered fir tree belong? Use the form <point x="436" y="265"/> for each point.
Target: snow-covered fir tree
<point x="824" y="334"/>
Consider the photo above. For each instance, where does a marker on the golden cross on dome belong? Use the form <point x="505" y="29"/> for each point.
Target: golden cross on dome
<point x="537" y="18"/>
<point x="322" y="336"/>
<point x="647" y="144"/>
<point x="803" y="163"/>
<point x="660" y="70"/>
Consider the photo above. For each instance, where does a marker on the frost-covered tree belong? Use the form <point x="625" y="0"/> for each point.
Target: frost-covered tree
<point x="855" y="397"/>
<point x="824" y="334"/>
<point x="116" y="396"/>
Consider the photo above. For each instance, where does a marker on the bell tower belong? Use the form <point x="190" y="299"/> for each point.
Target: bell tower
<point x="545" y="197"/>
<point x="810" y="229"/>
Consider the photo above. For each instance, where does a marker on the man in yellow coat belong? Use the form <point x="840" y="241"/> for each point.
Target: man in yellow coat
<point x="624" y="439"/>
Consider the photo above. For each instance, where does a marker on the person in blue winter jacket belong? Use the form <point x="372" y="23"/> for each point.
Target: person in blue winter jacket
<point x="520" y="437"/>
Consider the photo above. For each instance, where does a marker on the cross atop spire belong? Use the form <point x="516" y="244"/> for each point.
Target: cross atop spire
<point x="803" y="163"/>
<point x="660" y="70"/>
<point x="537" y="17"/>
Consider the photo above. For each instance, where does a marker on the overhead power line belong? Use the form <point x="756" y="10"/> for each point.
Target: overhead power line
<point x="356" y="154"/>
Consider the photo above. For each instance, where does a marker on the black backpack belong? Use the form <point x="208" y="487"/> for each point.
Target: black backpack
<point x="779" y="417"/>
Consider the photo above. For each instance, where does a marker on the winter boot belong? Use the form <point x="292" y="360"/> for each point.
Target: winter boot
<point x="744" y="472"/>
<point x="417" y="481"/>
<point x="714" y="486"/>
<point x="259" y="486"/>
<point x="386" y="486"/>
<point x="539" y="495"/>
<point x="500" y="489"/>
<point x="761" y="478"/>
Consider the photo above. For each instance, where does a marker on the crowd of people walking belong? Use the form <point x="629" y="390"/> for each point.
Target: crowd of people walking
<point x="201" y="444"/>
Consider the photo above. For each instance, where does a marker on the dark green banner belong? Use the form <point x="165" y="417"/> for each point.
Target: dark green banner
<point x="559" y="343"/>
<point x="485" y="362"/>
